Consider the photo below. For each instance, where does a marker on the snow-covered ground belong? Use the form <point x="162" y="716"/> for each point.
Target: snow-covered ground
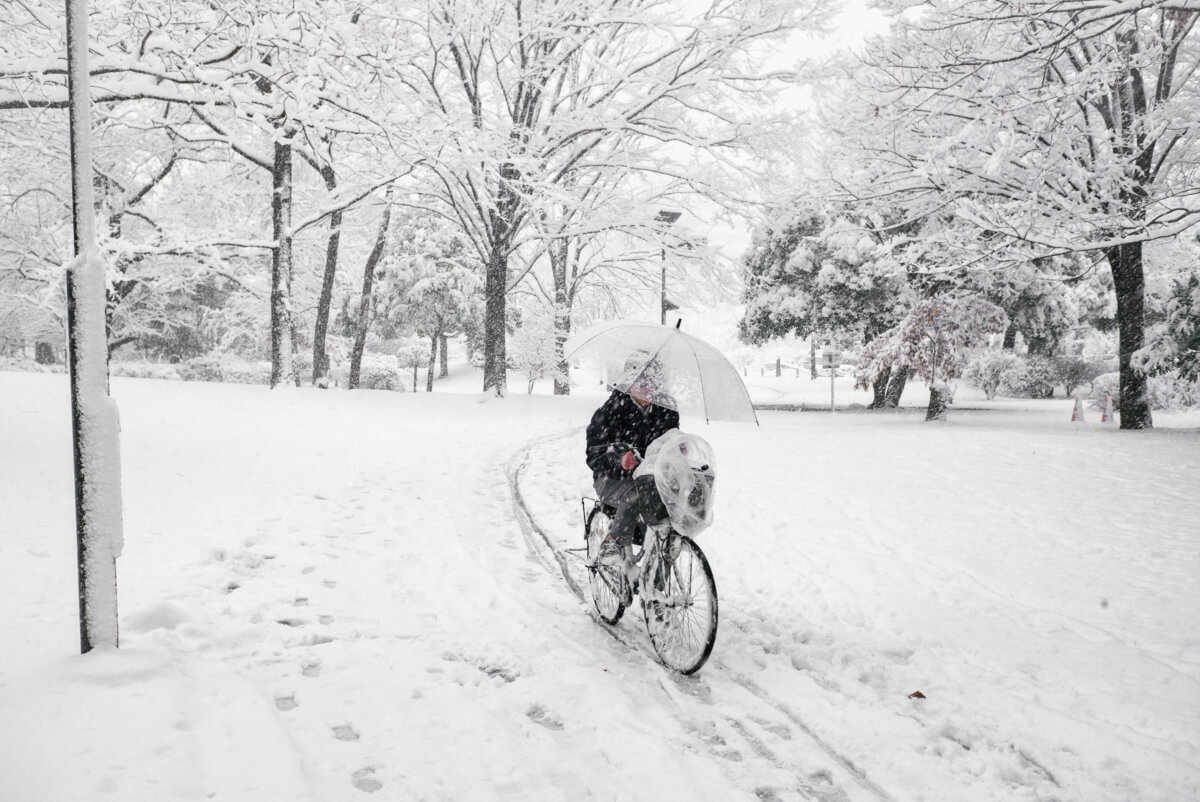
<point x="330" y="595"/>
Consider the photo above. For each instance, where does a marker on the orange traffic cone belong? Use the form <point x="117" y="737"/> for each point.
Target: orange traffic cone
<point x="1107" y="416"/>
<point x="1077" y="415"/>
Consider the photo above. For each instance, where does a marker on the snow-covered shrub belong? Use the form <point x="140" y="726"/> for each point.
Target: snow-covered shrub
<point x="26" y="365"/>
<point x="1106" y="385"/>
<point x="380" y="372"/>
<point x="237" y="371"/>
<point x="1035" y="377"/>
<point x="302" y="364"/>
<point x="225" y="368"/>
<point x="145" y="370"/>
<point x="1168" y="390"/>
<point x="1174" y="390"/>
<point x="1075" y="371"/>
<point x="989" y="368"/>
<point x="202" y="369"/>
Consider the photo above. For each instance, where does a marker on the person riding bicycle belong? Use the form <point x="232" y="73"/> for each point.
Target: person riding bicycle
<point x="629" y="420"/>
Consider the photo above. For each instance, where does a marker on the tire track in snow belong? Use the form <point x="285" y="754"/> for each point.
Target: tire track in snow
<point x="540" y="544"/>
<point x="536" y="537"/>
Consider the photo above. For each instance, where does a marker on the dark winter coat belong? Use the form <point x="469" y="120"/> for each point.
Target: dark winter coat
<point x="622" y="420"/>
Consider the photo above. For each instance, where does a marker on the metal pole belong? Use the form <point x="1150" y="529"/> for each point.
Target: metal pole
<point x="663" y="294"/>
<point x="96" y="468"/>
<point x="664" y="218"/>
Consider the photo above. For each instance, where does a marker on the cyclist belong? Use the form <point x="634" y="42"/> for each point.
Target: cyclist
<point x="629" y="420"/>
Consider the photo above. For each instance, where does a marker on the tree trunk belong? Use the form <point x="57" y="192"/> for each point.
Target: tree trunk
<point x="364" y="304"/>
<point x="443" y="348"/>
<point x="495" y="288"/>
<point x="433" y="352"/>
<point x="320" y="359"/>
<point x="294" y="339"/>
<point x="812" y="360"/>
<point x="1041" y="346"/>
<point x="560" y="267"/>
<point x="1010" y="337"/>
<point x="495" y="354"/>
<point x="414" y="377"/>
<point x="938" y="402"/>
<point x="879" y="389"/>
<point x="495" y="357"/>
<point x="282" y="370"/>
<point x="895" y="388"/>
<point x="43" y="354"/>
<point x="562" y="330"/>
<point x="1125" y="262"/>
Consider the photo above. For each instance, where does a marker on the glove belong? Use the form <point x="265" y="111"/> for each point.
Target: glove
<point x="629" y="460"/>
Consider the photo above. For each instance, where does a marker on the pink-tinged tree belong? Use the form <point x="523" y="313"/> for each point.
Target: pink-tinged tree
<point x="935" y="340"/>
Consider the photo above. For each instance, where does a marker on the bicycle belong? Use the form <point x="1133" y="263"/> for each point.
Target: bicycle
<point x="666" y="569"/>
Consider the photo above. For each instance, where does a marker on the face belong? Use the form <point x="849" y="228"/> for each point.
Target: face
<point x="641" y="392"/>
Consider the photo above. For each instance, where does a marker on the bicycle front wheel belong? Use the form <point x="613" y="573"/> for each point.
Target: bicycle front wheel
<point x="681" y="610"/>
<point x="605" y="578"/>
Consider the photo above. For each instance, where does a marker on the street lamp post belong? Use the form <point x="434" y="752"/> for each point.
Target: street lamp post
<point x="665" y="218"/>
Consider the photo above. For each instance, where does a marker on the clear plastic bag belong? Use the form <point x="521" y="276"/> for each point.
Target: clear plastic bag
<point x="684" y="472"/>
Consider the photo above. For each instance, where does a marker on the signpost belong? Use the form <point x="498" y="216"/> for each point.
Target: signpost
<point x="831" y="358"/>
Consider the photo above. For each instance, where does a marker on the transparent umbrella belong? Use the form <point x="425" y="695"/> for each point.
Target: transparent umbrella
<point x="683" y="372"/>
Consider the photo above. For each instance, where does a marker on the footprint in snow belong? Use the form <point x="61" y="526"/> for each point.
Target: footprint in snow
<point x="344" y="732"/>
<point x="311" y="669"/>
<point x="286" y="703"/>
<point x="538" y="715"/>
<point x="364" y="780"/>
<point x="507" y="674"/>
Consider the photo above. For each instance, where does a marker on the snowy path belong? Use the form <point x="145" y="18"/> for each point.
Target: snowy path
<point x="329" y="596"/>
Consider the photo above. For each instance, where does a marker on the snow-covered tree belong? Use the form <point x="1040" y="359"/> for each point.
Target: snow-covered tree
<point x="412" y="352"/>
<point x="521" y="98"/>
<point x="532" y="348"/>
<point x="441" y="288"/>
<point x="826" y="276"/>
<point x="988" y="369"/>
<point x="1175" y="340"/>
<point x="1050" y="127"/>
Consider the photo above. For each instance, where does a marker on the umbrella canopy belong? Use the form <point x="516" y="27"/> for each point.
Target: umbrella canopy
<point x="676" y="369"/>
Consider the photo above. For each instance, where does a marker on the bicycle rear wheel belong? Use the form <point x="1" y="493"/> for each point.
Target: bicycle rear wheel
<point x="681" y="613"/>
<point x="606" y="579"/>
